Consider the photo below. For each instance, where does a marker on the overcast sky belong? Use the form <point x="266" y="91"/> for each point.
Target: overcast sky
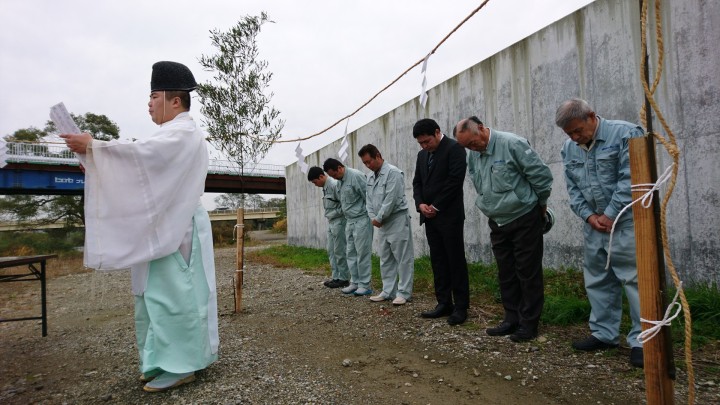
<point x="327" y="57"/>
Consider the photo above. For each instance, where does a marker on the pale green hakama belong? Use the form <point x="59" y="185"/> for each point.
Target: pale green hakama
<point x="171" y="316"/>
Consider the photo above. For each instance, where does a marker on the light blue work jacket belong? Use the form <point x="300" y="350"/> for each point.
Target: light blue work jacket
<point x="352" y="194"/>
<point x="598" y="179"/>
<point x="331" y="199"/>
<point x="385" y="193"/>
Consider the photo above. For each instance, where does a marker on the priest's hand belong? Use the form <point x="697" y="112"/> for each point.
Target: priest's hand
<point x="77" y="143"/>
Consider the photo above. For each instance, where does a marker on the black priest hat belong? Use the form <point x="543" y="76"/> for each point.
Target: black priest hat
<point x="171" y="76"/>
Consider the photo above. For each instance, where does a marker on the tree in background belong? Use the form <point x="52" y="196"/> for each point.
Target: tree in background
<point x="280" y="203"/>
<point x="25" y="135"/>
<point x="99" y="126"/>
<point x="240" y="120"/>
<point x="233" y="201"/>
<point x="54" y="208"/>
<point x="250" y="201"/>
<point x="31" y="134"/>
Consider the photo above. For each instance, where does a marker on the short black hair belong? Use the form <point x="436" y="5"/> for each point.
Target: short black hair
<point x="183" y="95"/>
<point x="369" y="149"/>
<point x="332" y="164"/>
<point x="425" y="126"/>
<point x="315" y="173"/>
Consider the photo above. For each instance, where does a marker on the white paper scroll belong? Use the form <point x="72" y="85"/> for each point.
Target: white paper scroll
<point x="62" y="119"/>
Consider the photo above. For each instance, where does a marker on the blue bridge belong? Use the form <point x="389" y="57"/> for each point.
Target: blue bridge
<point x="50" y="169"/>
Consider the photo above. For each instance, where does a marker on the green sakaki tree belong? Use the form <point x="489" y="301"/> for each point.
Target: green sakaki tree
<point x="240" y="120"/>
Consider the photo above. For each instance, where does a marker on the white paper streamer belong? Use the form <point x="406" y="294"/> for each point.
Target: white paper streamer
<point x="62" y="119"/>
<point x="301" y="159"/>
<point x="342" y="153"/>
<point x="423" y="92"/>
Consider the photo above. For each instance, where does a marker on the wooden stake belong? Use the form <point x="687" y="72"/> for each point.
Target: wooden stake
<point x="658" y="384"/>
<point x="238" y="279"/>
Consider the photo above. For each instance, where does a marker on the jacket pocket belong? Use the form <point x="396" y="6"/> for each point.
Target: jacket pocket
<point x="607" y="167"/>
<point x="575" y="169"/>
<point x="502" y="177"/>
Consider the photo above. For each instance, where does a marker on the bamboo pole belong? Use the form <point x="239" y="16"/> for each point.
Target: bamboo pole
<point x="658" y="384"/>
<point x="238" y="278"/>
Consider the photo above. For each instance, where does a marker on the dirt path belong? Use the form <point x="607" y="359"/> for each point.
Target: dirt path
<point x="297" y="342"/>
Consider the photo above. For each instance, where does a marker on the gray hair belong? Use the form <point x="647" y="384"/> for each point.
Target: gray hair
<point x="467" y="124"/>
<point x="571" y="109"/>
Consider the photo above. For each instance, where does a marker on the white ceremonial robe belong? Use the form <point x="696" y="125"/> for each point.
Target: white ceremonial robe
<point x="140" y="200"/>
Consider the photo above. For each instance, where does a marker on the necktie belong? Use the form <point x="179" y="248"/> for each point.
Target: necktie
<point x="430" y="160"/>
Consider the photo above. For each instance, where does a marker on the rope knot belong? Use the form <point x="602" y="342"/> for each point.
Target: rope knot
<point x="646" y="201"/>
<point x="650" y="333"/>
<point x="235" y="229"/>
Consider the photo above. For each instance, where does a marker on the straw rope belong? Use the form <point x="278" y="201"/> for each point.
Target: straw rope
<point x="670" y="144"/>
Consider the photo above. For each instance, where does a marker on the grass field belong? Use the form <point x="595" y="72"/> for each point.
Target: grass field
<point x="565" y="299"/>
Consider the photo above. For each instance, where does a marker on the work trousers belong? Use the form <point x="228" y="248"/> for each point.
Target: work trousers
<point x="397" y="257"/>
<point x="447" y="255"/>
<point x="359" y="235"/>
<point x="605" y="287"/>
<point x="337" y="249"/>
<point x="518" y="250"/>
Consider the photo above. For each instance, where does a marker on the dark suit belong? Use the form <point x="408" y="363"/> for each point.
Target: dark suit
<point x="442" y="187"/>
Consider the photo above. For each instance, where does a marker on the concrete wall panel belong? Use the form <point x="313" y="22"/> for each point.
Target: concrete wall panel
<point x="593" y="53"/>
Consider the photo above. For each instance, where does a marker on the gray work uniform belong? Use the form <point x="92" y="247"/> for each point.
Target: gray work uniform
<point x="358" y="230"/>
<point x="598" y="182"/>
<point x="386" y="204"/>
<point x="336" y="243"/>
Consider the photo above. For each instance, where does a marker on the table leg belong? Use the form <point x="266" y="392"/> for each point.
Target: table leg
<point x="43" y="299"/>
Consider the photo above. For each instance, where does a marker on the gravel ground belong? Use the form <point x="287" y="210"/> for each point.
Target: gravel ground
<point x="298" y="342"/>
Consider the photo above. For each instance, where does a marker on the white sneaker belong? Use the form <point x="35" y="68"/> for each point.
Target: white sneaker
<point x="349" y="289"/>
<point x="363" y="291"/>
<point x="399" y="300"/>
<point x="379" y="298"/>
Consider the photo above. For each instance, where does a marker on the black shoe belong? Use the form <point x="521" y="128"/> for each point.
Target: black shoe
<point x="592" y="343"/>
<point x="505" y="328"/>
<point x="636" y="357"/>
<point x="523" y="334"/>
<point x="457" y="317"/>
<point x="327" y="283"/>
<point x="337" y="283"/>
<point x="439" y="311"/>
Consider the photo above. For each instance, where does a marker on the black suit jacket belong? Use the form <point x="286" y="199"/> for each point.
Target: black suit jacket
<point x="442" y="185"/>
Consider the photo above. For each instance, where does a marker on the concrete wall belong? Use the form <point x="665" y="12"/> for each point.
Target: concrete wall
<point x="595" y="54"/>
